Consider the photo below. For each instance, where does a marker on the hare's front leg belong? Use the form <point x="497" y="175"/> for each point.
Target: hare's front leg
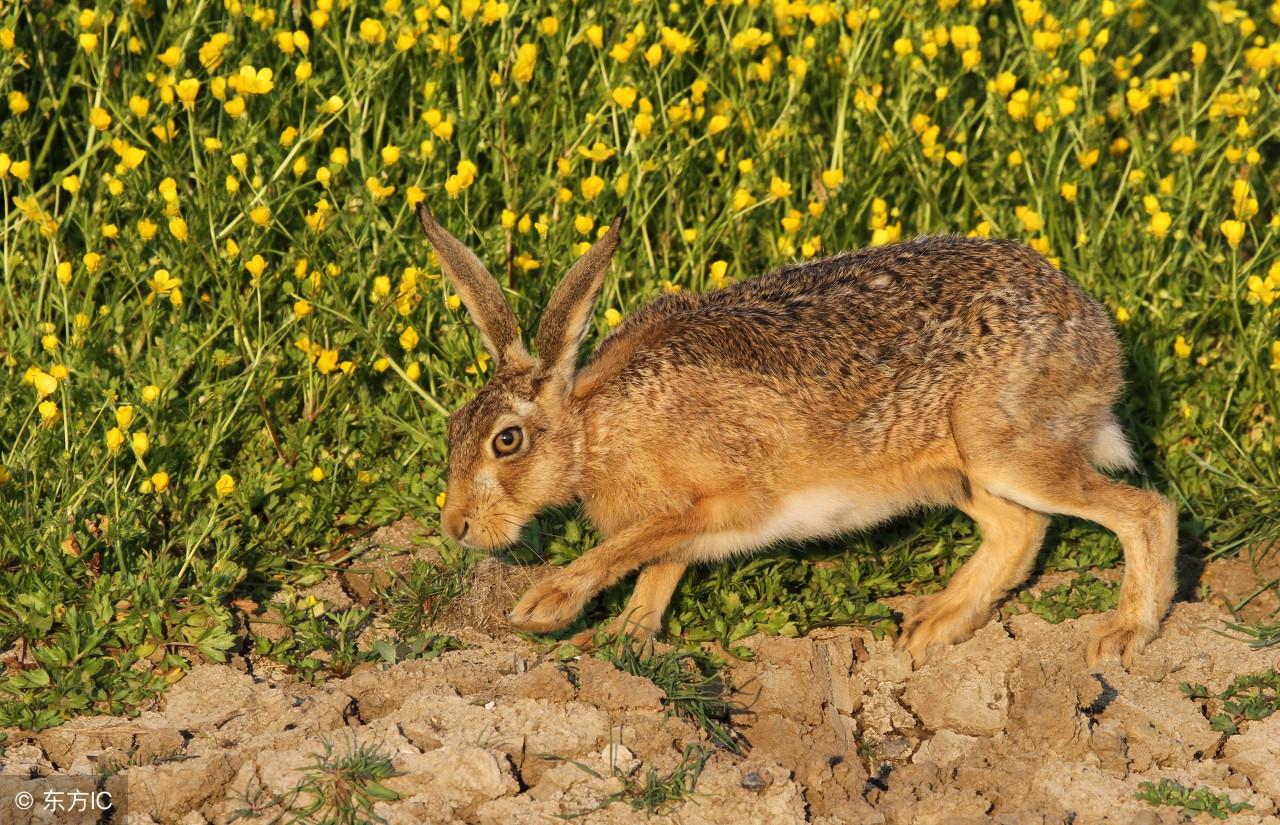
<point x="642" y="617"/>
<point x="558" y="599"/>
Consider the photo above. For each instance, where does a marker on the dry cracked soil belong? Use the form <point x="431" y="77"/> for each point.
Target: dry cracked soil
<point x="1009" y="727"/>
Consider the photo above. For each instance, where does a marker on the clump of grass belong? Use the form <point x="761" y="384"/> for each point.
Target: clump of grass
<point x="338" y="788"/>
<point x="422" y="646"/>
<point x="411" y="601"/>
<point x="694" y="683"/>
<point x="1086" y="593"/>
<point x="1192" y="802"/>
<point x="1247" y="699"/>
<point x="1259" y="635"/>
<point x="645" y="789"/>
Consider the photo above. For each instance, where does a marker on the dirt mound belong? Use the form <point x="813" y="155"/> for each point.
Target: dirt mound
<point x="1009" y="726"/>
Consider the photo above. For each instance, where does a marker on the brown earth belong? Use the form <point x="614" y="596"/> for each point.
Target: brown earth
<point x="1009" y="727"/>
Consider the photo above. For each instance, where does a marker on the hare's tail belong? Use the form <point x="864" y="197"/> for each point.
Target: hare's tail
<point x="1109" y="449"/>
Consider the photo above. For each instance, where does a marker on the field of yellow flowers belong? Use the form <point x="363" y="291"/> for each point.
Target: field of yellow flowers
<point x="225" y="349"/>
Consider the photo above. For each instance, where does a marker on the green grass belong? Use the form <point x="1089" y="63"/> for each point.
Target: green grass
<point x="1084" y="594"/>
<point x="292" y="383"/>
<point x="1247" y="699"/>
<point x="695" y="685"/>
<point x="340" y="787"/>
<point x="1192" y="803"/>
<point x="645" y="789"/>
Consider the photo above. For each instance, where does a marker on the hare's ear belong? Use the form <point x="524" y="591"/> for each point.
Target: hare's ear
<point x="568" y="314"/>
<point x="479" y="292"/>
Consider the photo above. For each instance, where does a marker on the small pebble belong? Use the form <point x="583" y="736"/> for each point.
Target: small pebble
<point x="753" y="781"/>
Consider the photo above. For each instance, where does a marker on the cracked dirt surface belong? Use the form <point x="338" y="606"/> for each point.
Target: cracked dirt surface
<point x="1010" y="726"/>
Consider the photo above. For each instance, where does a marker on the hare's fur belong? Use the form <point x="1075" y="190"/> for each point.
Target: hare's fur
<point x="824" y="397"/>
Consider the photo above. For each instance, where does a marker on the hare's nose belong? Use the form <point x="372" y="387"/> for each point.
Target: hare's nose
<point x="456" y="525"/>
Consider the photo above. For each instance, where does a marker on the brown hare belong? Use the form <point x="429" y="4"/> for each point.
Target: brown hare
<point x="825" y="397"/>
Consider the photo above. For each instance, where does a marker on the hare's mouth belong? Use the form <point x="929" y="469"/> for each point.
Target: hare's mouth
<point x="492" y="532"/>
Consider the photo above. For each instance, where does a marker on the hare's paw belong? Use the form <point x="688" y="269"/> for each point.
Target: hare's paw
<point x="586" y="639"/>
<point x="938" y="623"/>
<point x="550" y="605"/>
<point x="1120" y="638"/>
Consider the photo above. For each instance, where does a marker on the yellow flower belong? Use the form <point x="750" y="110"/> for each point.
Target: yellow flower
<point x="526" y="61"/>
<point x="160" y="481"/>
<point x="187" y="91"/>
<point x="1262" y="290"/>
<point x="225" y="485"/>
<point x="114" y="440"/>
<point x="178" y="228"/>
<point x="1233" y="231"/>
<point x="18" y="103"/>
<point x="48" y="413"/>
<point x="1160" y="223"/>
<point x="260" y="215"/>
<point x="717" y="124"/>
<point x="327" y="361"/>
<point x="88" y="41"/>
<point x="779" y="188"/>
<point x="140" y="443"/>
<point x="100" y="119"/>
<point x="71" y="183"/>
<point x="91" y="261"/>
<point x="372" y="31"/>
<point x="124" y="416"/>
<point x="301" y="309"/>
<point x="1181" y="348"/>
<point x="549" y="26"/>
<point x="595" y="36"/>
<point x="390" y="154"/>
<point x="902" y="46"/>
<point x="63" y="272"/>
<point x="378" y="191"/>
<point x="150" y="393"/>
<point x="1137" y="99"/>
<point x="317" y="474"/>
<point x="1122" y="315"/>
<point x="251" y="81"/>
<point x="718" y="270"/>
<point x="592" y="186"/>
<point x="409" y="339"/>
<point x="677" y="41"/>
<point x="624" y="96"/>
<point x="1029" y="218"/>
<point x="255" y="266"/>
<point x="1068" y="192"/>
<point x="612" y="317"/>
<point x="45" y="384"/>
<point x="21" y="169"/>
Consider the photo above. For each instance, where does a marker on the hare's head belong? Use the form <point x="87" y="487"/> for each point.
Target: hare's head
<point x="516" y="448"/>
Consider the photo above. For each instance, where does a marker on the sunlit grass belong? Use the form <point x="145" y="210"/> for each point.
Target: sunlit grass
<point x="225" y="348"/>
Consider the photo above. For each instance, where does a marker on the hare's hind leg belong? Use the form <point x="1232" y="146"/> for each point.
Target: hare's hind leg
<point x="1054" y="481"/>
<point x="1011" y="535"/>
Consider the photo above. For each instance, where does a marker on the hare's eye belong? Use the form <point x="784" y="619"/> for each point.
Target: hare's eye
<point x="508" y="441"/>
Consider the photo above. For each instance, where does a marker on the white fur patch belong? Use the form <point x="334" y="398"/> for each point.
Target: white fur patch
<point x="1110" y="449"/>
<point x="807" y="514"/>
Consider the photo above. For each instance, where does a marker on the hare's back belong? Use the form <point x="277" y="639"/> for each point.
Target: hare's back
<point x="932" y="302"/>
